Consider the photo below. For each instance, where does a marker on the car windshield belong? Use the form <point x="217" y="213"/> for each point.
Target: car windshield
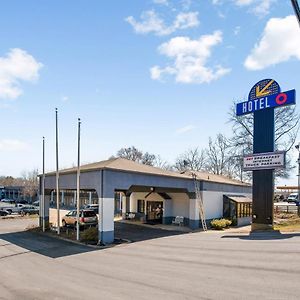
<point x="89" y="213"/>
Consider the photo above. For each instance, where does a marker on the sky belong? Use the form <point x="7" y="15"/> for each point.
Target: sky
<point x="157" y="74"/>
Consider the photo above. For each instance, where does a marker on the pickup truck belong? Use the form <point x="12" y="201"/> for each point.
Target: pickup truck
<point x="13" y="208"/>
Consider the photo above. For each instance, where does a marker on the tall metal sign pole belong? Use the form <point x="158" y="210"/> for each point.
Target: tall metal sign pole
<point x="263" y="98"/>
<point x="57" y="173"/>
<point x="78" y="183"/>
<point x="296" y="9"/>
<point x="43" y="188"/>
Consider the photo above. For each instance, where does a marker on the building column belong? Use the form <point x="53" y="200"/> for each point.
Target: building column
<point x="133" y="203"/>
<point x="90" y="197"/>
<point x="167" y="212"/>
<point x="51" y="197"/>
<point x="46" y="211"/>
<point x="63" y="198"/>
<point x="194" y="214"/>
<point x="124" y="207"/>
<point x="74" y="201"/>
<point x="106" y="220"/>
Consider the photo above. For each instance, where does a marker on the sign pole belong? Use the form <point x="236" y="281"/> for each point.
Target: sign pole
<point x="263" y="180"/>
<point x="78" y="184"/>
<point x="57" y="173"/>
<point x="43" y="188"/>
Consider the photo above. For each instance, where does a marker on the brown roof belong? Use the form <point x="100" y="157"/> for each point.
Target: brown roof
<point x="209" y="177"/>
<point x="240" y="199"/>
<point x="123" y="164"/>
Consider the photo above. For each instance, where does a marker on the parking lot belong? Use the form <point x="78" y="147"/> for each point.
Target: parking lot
<point x="199" y="265"/>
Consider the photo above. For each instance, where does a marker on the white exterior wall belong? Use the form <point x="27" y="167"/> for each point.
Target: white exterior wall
<point x="180" y="204"/>
<point x="133" y="203"/>
<point x="213" y="203"/>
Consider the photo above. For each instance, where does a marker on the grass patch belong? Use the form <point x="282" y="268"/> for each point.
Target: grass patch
<point x="287" y="222"/>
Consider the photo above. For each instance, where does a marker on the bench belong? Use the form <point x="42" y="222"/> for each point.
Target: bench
<point x="130" y="216"/>
<point x="178" y="221"/>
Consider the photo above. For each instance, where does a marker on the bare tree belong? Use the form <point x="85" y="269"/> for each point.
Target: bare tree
<point x="162" y="164"/>
<point x="134" y="154"/>
<point x="220" y="156"/>
<point x="286" y="130"/>
<point x="29" y="181"/>
<point x="193" y="159"/>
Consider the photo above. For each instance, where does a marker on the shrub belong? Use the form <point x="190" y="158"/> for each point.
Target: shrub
<point x="90" y="235"/>
<point x="220" y="224"/>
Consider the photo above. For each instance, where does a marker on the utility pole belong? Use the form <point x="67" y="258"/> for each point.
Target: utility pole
<point x="78" y="182"/>
<point x="43" y="188"/>
<point x="296" y="9"/>
<point x="57" y="173"/>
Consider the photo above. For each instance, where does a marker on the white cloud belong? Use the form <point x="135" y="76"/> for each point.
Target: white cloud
<point x="162" y="2"/>
<point x="190" y="59"/>
<point x="151" y="22"/>
<point x="258" y="7"/>
<point x="236" y="30"/>
<point x="12" y="145"/>
<point x="185" y="129"/>
<point x="279" y="42"/>
<point x="17" y="66"/>
<point x="64" y="98"/>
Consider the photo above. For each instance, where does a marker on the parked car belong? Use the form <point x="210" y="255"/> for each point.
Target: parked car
<point x="293" y="197"/>
<point x="22" y="201"/>
<point x="29" y="210"/>
<point x="8" y="200"/>
<point x="13" y="208"/>
<point x="87" y="217"/>
<point x="3" y="213"/>
<point x="94" y="207"/>
<point x="36" y="203"/>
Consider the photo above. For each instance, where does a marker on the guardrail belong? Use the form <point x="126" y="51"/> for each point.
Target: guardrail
<point x="285" y="207"/>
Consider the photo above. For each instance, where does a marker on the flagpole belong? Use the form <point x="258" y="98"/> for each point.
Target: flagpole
<point x="78" y="182"/>
<point x="43" y="187"/>
<point x="57" y="174"/>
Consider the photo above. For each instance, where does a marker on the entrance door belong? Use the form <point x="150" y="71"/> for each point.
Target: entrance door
<point x="154" y="211"/>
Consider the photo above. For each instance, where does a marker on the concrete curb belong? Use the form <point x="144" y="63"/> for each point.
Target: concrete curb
<point x="47" y="233"/>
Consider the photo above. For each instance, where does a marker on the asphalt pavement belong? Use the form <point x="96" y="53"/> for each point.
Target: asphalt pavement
<point x="198" y="265"/>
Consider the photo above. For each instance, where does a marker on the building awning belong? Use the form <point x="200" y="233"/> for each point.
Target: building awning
<point x="239" y="199"/>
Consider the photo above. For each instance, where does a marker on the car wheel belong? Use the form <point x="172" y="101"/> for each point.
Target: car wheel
<point x="27" y="214"/>
<point x="9" y="211"/>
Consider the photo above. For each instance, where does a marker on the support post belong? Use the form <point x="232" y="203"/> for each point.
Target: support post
<point x="194" y="221"/>
<point x="167" y="212"/>
<point x="263" y="180"/>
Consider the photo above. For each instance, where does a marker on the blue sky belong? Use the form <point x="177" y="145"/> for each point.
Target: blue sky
<point x="157" y="74"/>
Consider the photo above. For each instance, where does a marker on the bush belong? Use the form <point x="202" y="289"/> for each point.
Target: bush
<point x="90" y="235"/>
<point x="220" y="224"/>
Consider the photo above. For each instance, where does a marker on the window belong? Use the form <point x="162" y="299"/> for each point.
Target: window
<point x="141" y="206"/>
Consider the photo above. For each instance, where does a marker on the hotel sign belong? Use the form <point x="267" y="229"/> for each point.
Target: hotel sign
<point x="265" y="94"/>
<point x="264" y="161"/>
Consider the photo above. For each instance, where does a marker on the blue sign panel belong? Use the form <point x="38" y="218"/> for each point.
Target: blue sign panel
<point x="274" y="100"/>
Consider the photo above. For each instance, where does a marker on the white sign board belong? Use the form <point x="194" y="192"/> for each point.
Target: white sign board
<point x="264" y="161"/>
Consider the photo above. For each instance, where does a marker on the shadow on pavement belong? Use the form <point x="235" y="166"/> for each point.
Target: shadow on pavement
<point x="264" y="235"/>
<point x="138" y="233"/>
<point x="43" y="244"/>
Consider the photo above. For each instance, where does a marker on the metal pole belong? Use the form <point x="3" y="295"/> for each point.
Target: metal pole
<point x="57" y="175"/>
<point x="296" y="9"/>
<point x="298" y="181"/>
<point x="78" y="182"/>
<point x="43" y="187"/>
